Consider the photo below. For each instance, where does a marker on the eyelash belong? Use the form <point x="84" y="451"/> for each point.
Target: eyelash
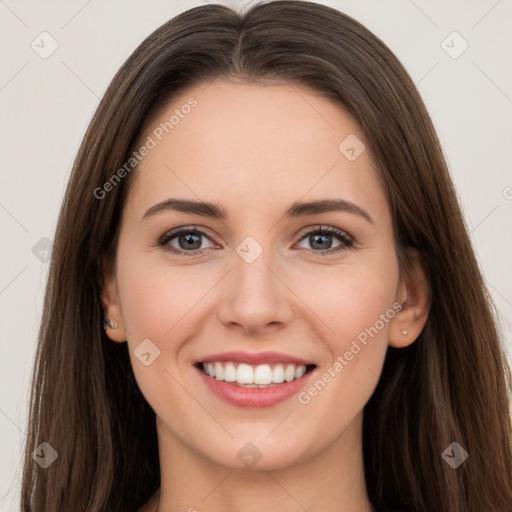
<point x="347" y="241"/>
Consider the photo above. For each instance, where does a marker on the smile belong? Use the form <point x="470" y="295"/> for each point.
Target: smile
<point x="254" y="381"/>
<point x="260" y="376"/>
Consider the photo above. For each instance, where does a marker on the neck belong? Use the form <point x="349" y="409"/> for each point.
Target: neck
<point x="332" y="480"/>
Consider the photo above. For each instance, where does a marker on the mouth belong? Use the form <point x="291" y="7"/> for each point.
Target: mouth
<point x="251" y="385"/>
<point x="250" y="376"/>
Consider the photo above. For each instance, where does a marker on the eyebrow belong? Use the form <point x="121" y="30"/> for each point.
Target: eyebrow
<point x="296" y="209"/>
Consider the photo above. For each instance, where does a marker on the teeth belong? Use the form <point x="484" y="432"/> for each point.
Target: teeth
<point x="219" y="371"/>
<point x="261" y="376"/>
<point x="289" y="373"/>
<point x="245" y="374"/>
<point x="229" y="372"/>
<point x="278" y="374"/>
<point x="299" y="371"/>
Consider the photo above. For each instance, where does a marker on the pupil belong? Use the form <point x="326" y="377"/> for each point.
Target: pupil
<point x="321" y="236"/>
<point x="189" y="238"/>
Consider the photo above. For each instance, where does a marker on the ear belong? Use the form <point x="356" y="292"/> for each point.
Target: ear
<point x="111" y="304"/>
<point x="414" y="296"/>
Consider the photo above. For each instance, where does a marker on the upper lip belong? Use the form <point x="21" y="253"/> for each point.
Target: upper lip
<point x="253" y="358"/>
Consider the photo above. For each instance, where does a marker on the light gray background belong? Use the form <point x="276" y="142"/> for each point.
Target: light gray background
<point x="46" y="104"/>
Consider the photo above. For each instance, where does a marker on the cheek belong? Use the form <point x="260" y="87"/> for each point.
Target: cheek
<point x="349" y="300"/>
<point x="155" y="297"/>
<point x="356" y="352"/>
<point x="158" y="299"/>
<point x="355" y="302"/>
<point x="157" y="302"/>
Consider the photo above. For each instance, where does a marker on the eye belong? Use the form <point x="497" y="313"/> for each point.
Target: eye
<point x="187" y="239"/>
<point x="320" y="239"/>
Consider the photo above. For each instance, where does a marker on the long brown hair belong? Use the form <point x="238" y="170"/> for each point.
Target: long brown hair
<point x="452" y="385"/>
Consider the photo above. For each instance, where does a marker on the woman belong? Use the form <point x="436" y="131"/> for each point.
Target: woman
<point x="262" y="294"/>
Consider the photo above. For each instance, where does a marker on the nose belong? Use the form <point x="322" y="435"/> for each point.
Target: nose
<point x="255" y="297"/>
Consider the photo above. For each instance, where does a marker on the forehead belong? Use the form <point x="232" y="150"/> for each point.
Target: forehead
<point x="248" y="143"/>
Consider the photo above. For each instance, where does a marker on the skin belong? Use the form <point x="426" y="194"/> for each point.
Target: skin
<point x="254" y="150"/>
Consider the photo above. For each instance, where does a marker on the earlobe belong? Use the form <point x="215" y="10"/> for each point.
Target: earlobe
<point x="414" y="297"/>
<point x="113" y="322"/>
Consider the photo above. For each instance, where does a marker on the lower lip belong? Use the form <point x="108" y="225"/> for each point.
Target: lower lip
<point x="254" y="398"/>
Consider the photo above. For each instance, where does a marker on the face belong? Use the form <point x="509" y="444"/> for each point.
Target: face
<point x="266" y="291"/>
